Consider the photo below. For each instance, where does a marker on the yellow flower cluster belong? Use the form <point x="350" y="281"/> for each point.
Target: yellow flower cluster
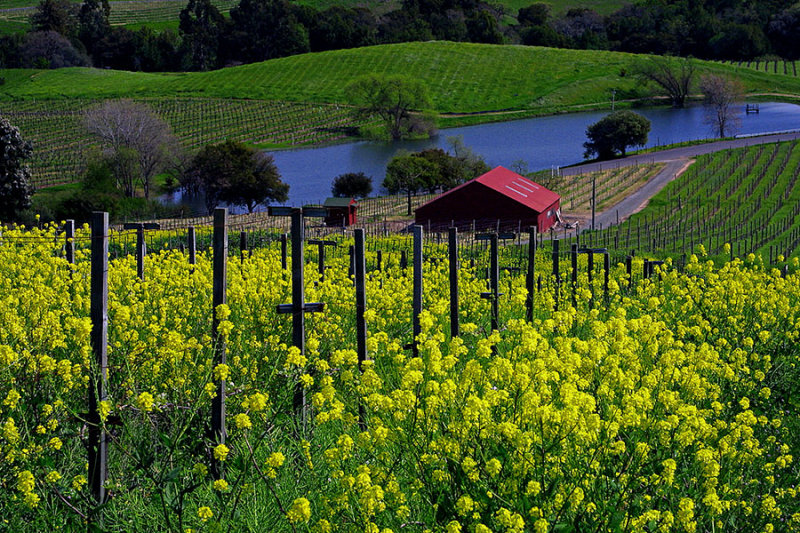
<point x="671" y="408"/>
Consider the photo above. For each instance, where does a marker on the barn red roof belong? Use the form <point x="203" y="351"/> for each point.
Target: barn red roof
<point x="514" y="186"/>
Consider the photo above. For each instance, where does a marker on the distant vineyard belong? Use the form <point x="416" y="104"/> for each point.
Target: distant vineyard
<point x="139" y="12"/>
<point x="749" y="198"/>
<point x="788" y="68"/>
<point x="124" y="13"/>
<point x="611" y="186"/>
<point x="61" y="142"/>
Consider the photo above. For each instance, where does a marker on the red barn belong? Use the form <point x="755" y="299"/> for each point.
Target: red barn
<point x="341" y="211"/>
<point x="500" y="194"/>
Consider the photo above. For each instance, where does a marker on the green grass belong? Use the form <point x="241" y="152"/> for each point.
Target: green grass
<point x="461" y="77"/>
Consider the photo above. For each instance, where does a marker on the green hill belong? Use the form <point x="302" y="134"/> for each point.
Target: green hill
<point x="462" y="77"/>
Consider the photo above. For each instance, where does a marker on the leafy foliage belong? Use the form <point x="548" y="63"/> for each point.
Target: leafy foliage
<point x="612" y="134"/>
<point x="409" y="173"/>
<point x="15" y="176"/>
<point x="201" y="26"/>
<point x="235" y="173"/>
<point x="393" y="99"/>
<point x="265" y="29"/>
<point x="351" y="185"/>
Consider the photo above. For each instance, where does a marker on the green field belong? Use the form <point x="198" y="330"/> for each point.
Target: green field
<point x="461" y="77"/>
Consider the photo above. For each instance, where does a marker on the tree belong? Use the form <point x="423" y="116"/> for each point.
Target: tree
<point x="93" y="23"/>
<point x="482" y="27"/>
<point x="15" y="176"/>
<point x="721" y="94"/>
<point x="674" y="76"/>
<point x="265" y="29"/>
<point x="784" y="32"/>
<point x="50" y="49"/>
<point x="452" y="170"/>
<point x="739" y="41"/>
<point x="615" y="132"/>
<point x="392" y="98"/>
<point x="409" y="173"/>
<point x="60" y="16"/>
<point x="235" y="173"/>
<point x="341" y="27"/>
<point x="534" y="14"/>
<point x="125" y="124"/>
<point x="351" y="185"/>
<point x="201" y="25"/>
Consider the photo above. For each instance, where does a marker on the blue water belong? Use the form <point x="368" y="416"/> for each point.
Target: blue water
<point x="538" y="143"/>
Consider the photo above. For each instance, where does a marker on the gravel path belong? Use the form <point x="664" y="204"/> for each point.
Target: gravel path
<point x="677" y="161"/>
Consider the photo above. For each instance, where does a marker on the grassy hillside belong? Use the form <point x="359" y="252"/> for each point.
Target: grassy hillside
<point x="462" y="77"/>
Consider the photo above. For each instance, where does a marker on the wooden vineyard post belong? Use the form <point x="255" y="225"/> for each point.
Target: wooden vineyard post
<point x="646" y="269"/>
<point x="141" y="245"/>
<point x="590" y="273"/>
<point x="361" y="307"/>
<point x="629" y="271"/>
<point x="494" y="281"/>
<point x="574" y="258"/>
<point x="531" y="272"/>
<point x="191" y="237"/>
<point x="321" y="244"/>
<point x="417" y="294"/>
<point x="556" y="274"/>
<point x="594" y="199"/>
<point x="242" y="244"/>
<point x="219" y="297"/>
<point x="298" y="297"/>
<point x="98" y="439"/>
<point x="298" y="308"/>
<point x="284" y="262"/>
<point x="606" y="269"/>
<point x="69" y="246"/>
<point x="351" y="254"/>
<point x="452" y="249"/>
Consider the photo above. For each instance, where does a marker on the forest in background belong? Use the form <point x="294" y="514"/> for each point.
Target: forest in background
<point x="211" y="35"/>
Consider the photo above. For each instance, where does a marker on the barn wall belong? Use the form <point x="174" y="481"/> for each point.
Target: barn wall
<point x="546" y="222"/>
<point x="477" y="202"/>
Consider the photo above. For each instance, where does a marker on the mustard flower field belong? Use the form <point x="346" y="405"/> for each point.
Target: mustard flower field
<point x="672" y="406"/>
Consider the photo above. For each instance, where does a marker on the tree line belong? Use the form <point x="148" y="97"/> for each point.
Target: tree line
<point x="67" y="34"/>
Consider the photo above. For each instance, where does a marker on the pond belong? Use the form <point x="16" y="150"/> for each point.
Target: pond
<point x="539" y="143"/>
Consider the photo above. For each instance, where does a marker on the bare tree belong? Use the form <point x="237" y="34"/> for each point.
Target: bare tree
<point x="131" y="127"/>
<point x="673" y="76"/>
<point x="721" y="94"/>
